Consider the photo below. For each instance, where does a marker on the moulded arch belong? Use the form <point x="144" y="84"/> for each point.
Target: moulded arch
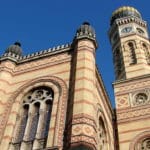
<point x="100" y="113"/>
<point x="101" y="116"/>
<point x="129" y="41"/>
<point x="131" y="47"/>
<point x="26" y="105"/>
<point x="146" y="48"/>
<point x="47" y="101"/>
<point x="59" y="88"/>
<point x="138" y="138"/>
<point x="34" y="103"/>
<point x="144" y="45"/>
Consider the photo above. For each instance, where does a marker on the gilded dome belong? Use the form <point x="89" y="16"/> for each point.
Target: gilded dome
<point x="14" y="49"/>
<point x="124" y="11"/>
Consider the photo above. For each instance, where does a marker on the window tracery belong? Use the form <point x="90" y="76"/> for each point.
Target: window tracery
<point x="38" y="94"/>
<point x="33" y="123"/>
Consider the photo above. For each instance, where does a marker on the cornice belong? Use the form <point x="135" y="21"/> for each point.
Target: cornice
<point x="37" y="55"/>
<point x="126" y="20"/>
<point x="131" y="79"/>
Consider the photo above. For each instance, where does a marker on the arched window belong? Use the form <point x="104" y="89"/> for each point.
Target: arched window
<point x="147" y="54"/>
<point x="20" y="127"/>
<point x="102" y="135"/>
<point x="132" y="54"/>
<point x="118" y="61"/>
<point x="33" y="123"/>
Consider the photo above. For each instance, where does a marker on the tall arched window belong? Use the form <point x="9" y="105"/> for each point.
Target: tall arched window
<point x="20" y="127"/>
<point x="147" y="54"/>
<point x="118" y="61"/>
<point x="102" y="135"/>
<point x="132" y="54"/>
<point x="33" y="124"/>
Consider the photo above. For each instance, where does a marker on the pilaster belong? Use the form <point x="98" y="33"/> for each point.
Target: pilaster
<point x="6" y="77"/>
<point x="83" y="117"/>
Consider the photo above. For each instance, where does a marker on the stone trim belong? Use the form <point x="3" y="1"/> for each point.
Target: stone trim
<point x="134" y="130"/>
<point x="134" y="114"/>
<point x="138" y="138"/>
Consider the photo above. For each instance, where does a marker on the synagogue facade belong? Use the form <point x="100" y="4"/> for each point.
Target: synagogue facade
<point x="55" y="99"/>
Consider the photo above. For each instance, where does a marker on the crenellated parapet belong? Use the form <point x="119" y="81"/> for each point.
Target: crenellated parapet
<point x="33" y="56"/>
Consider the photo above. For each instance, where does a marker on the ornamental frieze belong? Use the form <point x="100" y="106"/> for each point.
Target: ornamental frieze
<point x="83" y="129"/>
<point x="133" y="114"/>
<point x="42" y="62"/>
<point x="140" y="98"/>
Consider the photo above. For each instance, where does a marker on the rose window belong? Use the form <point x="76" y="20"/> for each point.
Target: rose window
<point x="141" y="98"/>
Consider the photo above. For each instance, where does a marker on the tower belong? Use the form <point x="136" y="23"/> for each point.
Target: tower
<point x="131" y="54"/>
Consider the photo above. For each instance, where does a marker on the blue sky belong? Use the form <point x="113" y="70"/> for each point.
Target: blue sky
<point x="41" y="24"/>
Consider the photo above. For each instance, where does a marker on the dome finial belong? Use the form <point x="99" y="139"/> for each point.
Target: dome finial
<point x="125" y="11"/>
<point x="86" y="23"/>
<point x="17" y="43"/>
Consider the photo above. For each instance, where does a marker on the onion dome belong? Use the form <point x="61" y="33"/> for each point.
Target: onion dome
<point x="14" y="49"/>
<point x="85" y="30"/>
<point x="124" y="11"/>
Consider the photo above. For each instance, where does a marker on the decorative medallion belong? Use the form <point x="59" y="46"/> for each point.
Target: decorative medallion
<point x="141" y="98"/>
